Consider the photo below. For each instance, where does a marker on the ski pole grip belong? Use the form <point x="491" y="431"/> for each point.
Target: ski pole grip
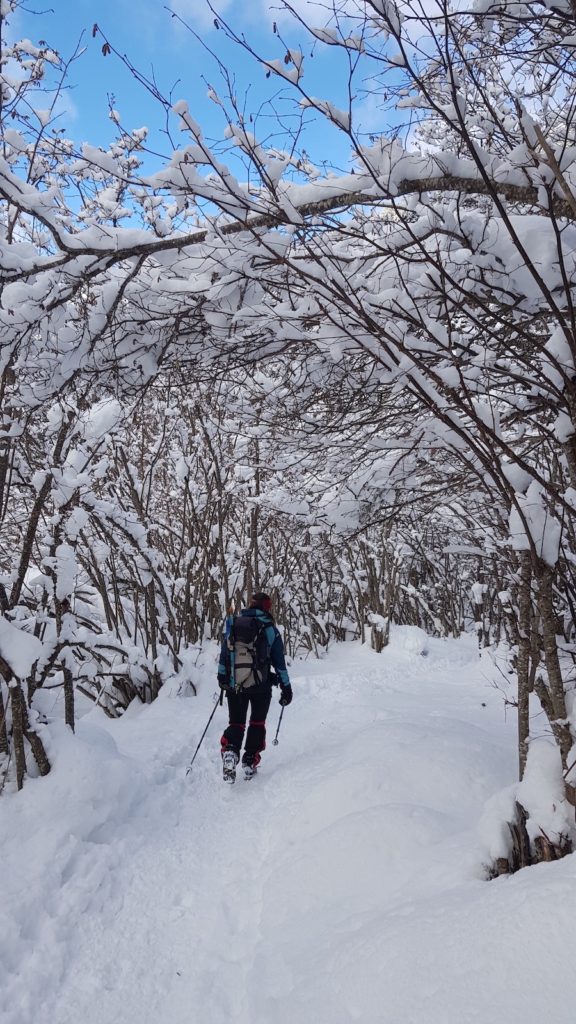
<point x="221" y="701"/>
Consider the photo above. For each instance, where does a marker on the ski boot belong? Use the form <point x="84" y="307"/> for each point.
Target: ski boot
<point x="229" y="762"/>
<point x="250" y="765"/>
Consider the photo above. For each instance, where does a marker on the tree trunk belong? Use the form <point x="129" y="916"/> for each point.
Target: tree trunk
<point x="69" y="710"/>
<point x="17" y="704"/>
<point x="556" y="685"/>
<point x="4" y="745"/>
<point x="523" y="669"/>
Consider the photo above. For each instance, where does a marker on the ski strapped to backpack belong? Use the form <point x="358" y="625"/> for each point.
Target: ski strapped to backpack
<point x="249" y="651"/>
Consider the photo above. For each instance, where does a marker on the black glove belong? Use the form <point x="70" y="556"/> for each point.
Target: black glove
<point x="222" y="682"/>
<point x="285" y="695"/>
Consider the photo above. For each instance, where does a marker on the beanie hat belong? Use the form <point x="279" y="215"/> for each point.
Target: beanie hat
<point x="262" y="601"/>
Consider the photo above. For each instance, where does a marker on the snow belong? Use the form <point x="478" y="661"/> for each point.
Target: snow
<point x="543" y="782"/>
<point x="563" y="428"/>
<point x="18" y="649"/>
<point x="339" y="117"/>
<point x="279" y="68"/>
<point x="477" y="592"/>
<point x="102" y="418"/>
<point x="345" y="883"/>
<point x="531" y="520"/>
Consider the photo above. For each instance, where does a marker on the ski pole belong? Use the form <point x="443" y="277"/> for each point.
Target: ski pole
<point x="275" y="740"/>
<point x="218" y="704"/>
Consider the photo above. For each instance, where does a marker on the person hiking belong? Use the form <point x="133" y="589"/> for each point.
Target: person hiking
<point x="252" y="649"/>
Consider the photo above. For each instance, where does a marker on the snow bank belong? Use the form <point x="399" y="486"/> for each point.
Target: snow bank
<point x="61" y="847"/>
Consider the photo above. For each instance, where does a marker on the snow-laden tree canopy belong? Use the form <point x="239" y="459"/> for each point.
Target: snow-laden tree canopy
<point x="400" y="337"/>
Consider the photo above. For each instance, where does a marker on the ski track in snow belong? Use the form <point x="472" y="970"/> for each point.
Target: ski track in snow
<point x="343" y="883"/>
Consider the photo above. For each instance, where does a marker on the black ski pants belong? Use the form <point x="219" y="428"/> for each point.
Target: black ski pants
<point x="258" y="700"/>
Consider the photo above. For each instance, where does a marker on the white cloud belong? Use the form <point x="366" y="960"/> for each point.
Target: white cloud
<point x="65" y="108"/>
<point x="370" y="115"/>
<point x="198" y="13"/>
<point x="313" y="12"/>
<point x="317" y="13"/>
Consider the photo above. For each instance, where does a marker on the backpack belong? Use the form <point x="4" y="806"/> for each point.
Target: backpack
<point x="247" y="639"/>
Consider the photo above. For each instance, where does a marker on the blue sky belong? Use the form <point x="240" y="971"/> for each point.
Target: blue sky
<point x="157" y="43"/>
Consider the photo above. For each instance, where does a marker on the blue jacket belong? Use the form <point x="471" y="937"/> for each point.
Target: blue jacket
<point x="275" y="645"/>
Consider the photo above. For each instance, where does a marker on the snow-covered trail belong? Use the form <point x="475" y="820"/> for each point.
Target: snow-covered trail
<point x="344" y="883"/>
